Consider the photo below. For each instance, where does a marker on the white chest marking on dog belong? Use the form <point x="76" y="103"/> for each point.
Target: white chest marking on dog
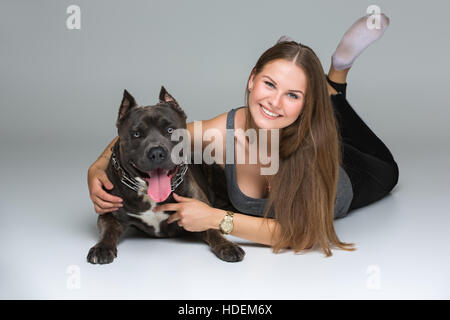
<point x="152" y="219"/>
<point x="149" y="217"/>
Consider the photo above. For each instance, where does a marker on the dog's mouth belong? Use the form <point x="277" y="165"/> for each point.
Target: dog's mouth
<point x="158" y="182"/>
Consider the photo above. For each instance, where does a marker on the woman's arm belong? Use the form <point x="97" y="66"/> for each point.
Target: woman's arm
<point x="103" y="160"/>
<point x="256" y="229"/>
<point x="196" y="216"/>
<point x="97" y="178"/>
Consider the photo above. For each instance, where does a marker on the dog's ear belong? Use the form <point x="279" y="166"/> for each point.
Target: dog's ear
<point x="164" y="96"/>
<point x="127" y="104"/>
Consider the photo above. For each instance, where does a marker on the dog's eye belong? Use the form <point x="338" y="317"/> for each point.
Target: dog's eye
<point x="136" y="134"/>
<point x="170" y="130"/>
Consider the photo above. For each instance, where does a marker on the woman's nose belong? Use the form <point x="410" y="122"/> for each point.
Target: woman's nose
<point x="274" y="101"/>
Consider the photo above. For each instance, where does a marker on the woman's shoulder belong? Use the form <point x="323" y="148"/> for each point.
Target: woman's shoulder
<point x="217" y="123"/>
<point x="220" y="121"/>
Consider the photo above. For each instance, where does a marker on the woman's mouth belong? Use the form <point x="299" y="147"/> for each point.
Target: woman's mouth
<point x="267" y="113"/>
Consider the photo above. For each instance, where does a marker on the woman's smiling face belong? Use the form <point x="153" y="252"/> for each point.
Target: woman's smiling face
<point x="277" y="94"/>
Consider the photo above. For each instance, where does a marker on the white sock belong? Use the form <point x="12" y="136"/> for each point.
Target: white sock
<point x="284" y="39"/>
<point x="355" y="40"/>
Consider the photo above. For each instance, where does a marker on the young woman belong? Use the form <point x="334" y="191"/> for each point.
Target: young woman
<point x="330" y="161"/>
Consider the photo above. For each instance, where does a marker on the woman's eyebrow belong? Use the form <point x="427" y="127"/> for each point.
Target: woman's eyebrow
<point x="289" y="90"/>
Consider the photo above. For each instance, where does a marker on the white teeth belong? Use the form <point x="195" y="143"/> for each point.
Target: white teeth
<point x="268" y="112"/>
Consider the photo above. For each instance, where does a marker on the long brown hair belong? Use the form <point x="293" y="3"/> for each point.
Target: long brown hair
<point x="309" y="160"/>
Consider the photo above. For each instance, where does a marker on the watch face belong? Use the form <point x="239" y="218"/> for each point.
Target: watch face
<point x="227" y="226"/>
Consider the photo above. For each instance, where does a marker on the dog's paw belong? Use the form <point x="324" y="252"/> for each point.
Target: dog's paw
<point x="101" y="255"/>
<point x="229" y="252"/>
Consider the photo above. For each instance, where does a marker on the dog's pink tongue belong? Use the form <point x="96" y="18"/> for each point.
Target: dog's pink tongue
<point x="159" y="187"/>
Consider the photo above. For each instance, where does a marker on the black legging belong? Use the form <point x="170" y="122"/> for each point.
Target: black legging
<point x="369" y="164"/>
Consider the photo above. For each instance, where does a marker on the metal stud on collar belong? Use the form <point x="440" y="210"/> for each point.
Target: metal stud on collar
<point x="124" y="178"/>
<point x="179" y="176"/>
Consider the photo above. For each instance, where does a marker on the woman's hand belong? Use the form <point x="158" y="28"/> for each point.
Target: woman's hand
<point x="192" y="214"/>
<point x="103" y="201"/>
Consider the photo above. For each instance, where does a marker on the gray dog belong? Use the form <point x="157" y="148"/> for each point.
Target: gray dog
<point x="144" y="175"/>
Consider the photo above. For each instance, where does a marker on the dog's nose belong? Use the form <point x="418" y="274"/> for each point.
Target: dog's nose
<point x="157" y="155"/>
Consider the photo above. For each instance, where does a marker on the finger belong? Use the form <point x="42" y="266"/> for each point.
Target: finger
<point x="174" y="217"/>
<point x="101" y="211"/>
<point x="167" y="207"/>
<point x="179" y="198"/>
<point x="105" y="196"/>
<point x="105" y="181"/>
<point x="106" y="205"/>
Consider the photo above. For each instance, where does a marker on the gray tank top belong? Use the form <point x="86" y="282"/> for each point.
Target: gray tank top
<point x="255" y="206"/>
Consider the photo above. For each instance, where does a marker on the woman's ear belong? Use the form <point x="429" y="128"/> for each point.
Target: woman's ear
<point x="251" y="81"/>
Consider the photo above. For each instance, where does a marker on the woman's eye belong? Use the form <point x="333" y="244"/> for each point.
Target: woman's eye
<point x="137" y="134"/>
<point x="170" y="130"/>
<point x="270" y="84"/>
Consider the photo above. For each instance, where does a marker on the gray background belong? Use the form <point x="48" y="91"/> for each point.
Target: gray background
<point x="60" y="91"/>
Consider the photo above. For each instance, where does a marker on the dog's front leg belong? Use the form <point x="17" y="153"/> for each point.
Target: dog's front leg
<point x="222" y="248"/>
<point x="106" y="249"/>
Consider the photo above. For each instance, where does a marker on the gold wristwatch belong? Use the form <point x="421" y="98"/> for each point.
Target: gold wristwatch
<point x="226" y="225"/>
